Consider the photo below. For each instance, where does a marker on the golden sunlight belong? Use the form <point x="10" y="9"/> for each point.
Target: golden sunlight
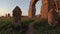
<point x="2" y="12"/>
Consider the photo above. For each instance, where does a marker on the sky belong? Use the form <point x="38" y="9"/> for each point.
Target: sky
<point x="7" y="6"/>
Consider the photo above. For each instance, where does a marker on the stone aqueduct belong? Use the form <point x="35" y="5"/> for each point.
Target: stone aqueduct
<point x="47" y="5"/>
<point x="50" y="10"/>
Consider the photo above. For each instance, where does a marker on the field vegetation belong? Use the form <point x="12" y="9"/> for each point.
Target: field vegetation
<point x="40" y="26"/>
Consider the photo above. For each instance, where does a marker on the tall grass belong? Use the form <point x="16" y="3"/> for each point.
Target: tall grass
<point x="6" y="28"/>
<point x="42" y="27"/>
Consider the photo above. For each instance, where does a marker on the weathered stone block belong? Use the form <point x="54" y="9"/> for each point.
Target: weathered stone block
<point x="16" y="17"/>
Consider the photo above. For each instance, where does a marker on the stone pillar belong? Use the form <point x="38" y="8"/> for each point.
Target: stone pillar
<point x="52" y="14"/>
<point x="16" y="17"/>
<point x="32" y="8"/>
<point x="44" y="9"/>
<point x="6" y="15"/>
<point x="9" y="15"/>
<point x="52" y="17"/>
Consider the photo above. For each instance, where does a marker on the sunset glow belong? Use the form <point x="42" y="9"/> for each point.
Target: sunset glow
<point x="2" y="12"/>
<point x="7" y="6"/>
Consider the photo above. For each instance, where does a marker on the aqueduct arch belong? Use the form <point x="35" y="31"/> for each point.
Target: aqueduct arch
<point x="32" y="8"/>
<point x="47" y="5"/>
<point x="48" y="9"/>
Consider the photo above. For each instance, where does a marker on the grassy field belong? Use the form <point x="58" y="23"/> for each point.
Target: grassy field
<point x="41" y="27"/>
<point x="5" y="25"/>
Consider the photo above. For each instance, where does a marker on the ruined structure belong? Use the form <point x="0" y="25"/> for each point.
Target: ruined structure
<point x="50" y="10"/>
<point x="16" y="19"/>
<point x="32" y="9"/>
<point x="44" y="9"/>
<point x="8" y="15"/>
<point x="5" y="15"/>
<point x="53" y="15"/>
<point x="47" y="5"/>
